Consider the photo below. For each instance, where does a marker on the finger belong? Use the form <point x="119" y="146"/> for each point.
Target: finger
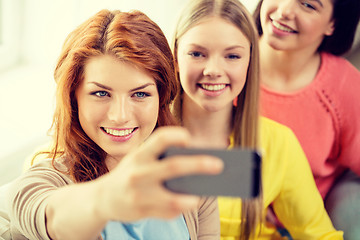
<point x="157" y="172"/>
<point x="177" y="166"/>
<point x="177" y="205"/>
<point x="163" y="138"/>
<point x="169" y="205"/>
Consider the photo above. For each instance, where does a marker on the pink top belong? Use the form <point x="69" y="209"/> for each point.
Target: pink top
<point x="325" y="117"/>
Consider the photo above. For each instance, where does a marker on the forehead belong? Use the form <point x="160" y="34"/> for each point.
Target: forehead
<point x="214" y="31"/>
<point x="107" y="68"/>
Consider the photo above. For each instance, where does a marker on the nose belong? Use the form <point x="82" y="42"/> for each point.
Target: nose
<point x="213" y="67"/>
<point x="119" y="110"/>
<point x="287" y="9"/>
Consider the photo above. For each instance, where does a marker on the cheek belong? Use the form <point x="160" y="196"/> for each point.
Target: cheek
<point x="90" y="114"/>
<point x="239" y="77"/>
<point x="262" y="16"/>
<point x="264" y="12"/>
<point x="148" y="114"/>
<point x="82" y="114"/>
<point x="152" y="113"/>
<point x="189" y="74"/>
<point x="84" y="119"/>
<point x="312" y="28"/>
<point x="187" y="69"/>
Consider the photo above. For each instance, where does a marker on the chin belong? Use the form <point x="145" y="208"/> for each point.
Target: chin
<point x="213" y="108"/>
<point x="116" y="152"/>
<point x="275" y="45"/>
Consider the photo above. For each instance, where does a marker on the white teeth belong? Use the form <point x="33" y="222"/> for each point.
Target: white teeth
<point x="213" y="87"/>
<point x="118" y="133"/>
<point x="281" y="27"/>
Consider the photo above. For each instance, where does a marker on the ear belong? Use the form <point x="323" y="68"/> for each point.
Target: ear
<point x="330" y="29"/>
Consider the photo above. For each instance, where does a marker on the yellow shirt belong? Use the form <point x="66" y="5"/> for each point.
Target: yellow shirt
<point x="287" y="182"/>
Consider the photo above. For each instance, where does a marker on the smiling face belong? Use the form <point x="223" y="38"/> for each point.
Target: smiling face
<point x="213" y="58"/>
<point x="118" y="104"/>
<point x="294" y="24"/>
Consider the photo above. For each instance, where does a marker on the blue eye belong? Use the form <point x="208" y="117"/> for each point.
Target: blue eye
<point x="100" y="93"/>
<point x="141" y="94"/>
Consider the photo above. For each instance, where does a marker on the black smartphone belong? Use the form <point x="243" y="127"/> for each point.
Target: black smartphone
<point x="241" y="176"/>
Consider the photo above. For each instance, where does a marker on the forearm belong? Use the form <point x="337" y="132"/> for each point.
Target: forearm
<point x="72" y="212"/>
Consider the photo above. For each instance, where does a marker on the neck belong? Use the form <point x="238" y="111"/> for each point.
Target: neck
<point x="111" y="162"/>
<point x="207" y="128"/>
<point x="287" y="70"/>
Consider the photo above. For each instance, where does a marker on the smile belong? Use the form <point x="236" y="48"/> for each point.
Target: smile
<point x="282" y="27"/>
<point x="213" y="87"/>
<point x="118" y="133"/>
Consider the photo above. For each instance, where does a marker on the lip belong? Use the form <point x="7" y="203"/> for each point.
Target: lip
<point x="281" y="29"/>
<point x="214" y="91"/>
<point x="122" y="138"/>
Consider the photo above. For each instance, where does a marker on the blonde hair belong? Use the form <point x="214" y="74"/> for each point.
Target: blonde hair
<point x="245" y="116"/>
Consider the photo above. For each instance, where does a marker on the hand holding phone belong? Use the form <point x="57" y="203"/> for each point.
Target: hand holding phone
<point x="241" y="176"/>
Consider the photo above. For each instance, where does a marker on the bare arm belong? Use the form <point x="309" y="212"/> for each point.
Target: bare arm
<point x="131" y="191"/>
<point x="72" y="212"/>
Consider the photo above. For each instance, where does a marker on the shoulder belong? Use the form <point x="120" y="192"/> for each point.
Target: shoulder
<point x="337" y="67"/>
<point x="205" y="220"/>
<point x="330" y="59"/>
<point x="44" y="174"/>
<point x="340" y="83"/>
<point x="271" y="130"/>
<point x="57" y="167"/>
<point x="277" y="141"/>
<point x="32" y="189"/>
<point x="207" y="206"/>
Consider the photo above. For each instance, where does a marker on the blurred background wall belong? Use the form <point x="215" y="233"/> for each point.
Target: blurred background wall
<point x="31" y="36"/>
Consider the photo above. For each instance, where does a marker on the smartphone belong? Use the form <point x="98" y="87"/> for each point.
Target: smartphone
<point x="241" y="176"/>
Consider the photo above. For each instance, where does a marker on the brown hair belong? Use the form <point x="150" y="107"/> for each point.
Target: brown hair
<point x="129" y="36"/>
<point x="245" y="118"/>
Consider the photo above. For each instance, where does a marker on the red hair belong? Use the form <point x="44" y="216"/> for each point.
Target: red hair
<point x="130" y="37"/>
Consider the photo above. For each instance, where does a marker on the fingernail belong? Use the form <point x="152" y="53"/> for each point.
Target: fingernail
<point x="216" y="164"/>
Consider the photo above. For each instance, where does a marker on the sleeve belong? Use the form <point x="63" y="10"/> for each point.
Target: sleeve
<point x="4" y="218"/>
<point x="349" y="112"/>
<point x="27" y="201"/>
<point x="209" y="220"/>
<point x="299" y="205"/>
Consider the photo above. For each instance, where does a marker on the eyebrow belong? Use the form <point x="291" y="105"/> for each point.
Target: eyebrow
<point x="101" y="85"/>
<point x="228" y="48"/>
<point x="318" y="1"/>
<point x="143" y="86"/>
<point x="110" y="89"/>
<point x="196" y="45"/>
<point x="233" y="47"/>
